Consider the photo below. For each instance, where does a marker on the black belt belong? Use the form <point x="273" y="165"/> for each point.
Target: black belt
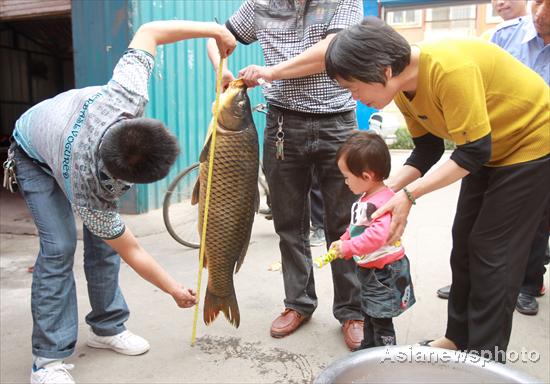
<point x="304" y="114"/>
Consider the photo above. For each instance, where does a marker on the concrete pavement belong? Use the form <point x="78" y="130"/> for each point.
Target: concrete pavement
<point x="223" y="354"/>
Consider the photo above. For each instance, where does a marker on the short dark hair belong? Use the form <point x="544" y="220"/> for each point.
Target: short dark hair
<point x="366" y="151"/>
<point x="139" y="150"/>
<point x="363" y="52"/>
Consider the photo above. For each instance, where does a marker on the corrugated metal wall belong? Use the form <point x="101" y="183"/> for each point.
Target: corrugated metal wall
<point x="101" y="33"/>
<point x="100" y="36"/>
<point x="183" y="86"/>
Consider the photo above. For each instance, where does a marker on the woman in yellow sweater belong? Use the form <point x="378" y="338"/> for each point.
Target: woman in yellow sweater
<point x="496" y="110"/>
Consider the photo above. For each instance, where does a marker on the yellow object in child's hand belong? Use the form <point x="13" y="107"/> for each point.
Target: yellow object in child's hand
<point x="321" y="261"/>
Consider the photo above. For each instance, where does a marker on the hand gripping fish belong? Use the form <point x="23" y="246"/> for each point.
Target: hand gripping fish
<point x="234" y="198"/>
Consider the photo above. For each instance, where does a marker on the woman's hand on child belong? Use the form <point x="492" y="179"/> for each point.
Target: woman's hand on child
<point x="399" y="206"/>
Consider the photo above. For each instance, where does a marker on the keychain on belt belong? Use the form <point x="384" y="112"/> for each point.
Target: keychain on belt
<point x="10" y="180"/>
<point x="279" y="143"/>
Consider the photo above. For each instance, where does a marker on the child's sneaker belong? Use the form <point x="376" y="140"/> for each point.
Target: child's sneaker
<point x="52" y="373"/>
<point x="125" y="342"/>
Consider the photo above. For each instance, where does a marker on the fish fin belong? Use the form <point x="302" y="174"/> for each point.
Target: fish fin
<point x="241" y="257"/>
<point x="244" y="250"/>
<point x="196" y="192"/>
<point x="206" y="148"/>
<point x="228" y="305"/>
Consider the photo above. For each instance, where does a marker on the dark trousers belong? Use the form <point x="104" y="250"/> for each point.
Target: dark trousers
<point x="310" y="145"/>
<point x="316" y="200"/>
<point x="497" y="215"/>
<point x="377" y="332"/>
<point x="538" y="257"/>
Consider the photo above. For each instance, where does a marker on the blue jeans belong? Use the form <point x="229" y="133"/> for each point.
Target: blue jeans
<point x="53" y="297"/>
<point x="310" y="146"/>
<point x="387" y="292"/>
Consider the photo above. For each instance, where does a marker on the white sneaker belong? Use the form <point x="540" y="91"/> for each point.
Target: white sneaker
<point x="125" y="342"/>
<point x="53" y="373"/>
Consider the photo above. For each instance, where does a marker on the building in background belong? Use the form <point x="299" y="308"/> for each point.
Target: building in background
<point x="417" y="23"/>
<point x="36" y="57"/>
<point x="424" y="20"/>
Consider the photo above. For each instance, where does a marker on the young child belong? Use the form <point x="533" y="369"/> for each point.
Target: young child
<point x="383" y="270"/>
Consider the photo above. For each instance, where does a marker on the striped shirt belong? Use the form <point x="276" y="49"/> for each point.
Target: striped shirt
<point x="286" y="28"/>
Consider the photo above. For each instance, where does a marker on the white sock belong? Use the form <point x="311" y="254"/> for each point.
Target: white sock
<point x="39" y="362"/>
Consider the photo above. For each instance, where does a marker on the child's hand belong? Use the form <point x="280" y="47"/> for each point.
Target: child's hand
<point x="336" y="247"/>
<point x="185" y="297"/>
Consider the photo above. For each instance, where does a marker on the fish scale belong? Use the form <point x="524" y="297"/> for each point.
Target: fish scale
<point x="233" y="198"/>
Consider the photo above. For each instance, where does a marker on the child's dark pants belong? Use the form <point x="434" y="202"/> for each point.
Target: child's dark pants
<point x="377" y="332"/>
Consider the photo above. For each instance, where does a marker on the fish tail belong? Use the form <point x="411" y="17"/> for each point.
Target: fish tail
<point x="228" y="305"/>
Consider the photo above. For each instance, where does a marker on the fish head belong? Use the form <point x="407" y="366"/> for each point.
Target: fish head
<point x="235" y="112"/>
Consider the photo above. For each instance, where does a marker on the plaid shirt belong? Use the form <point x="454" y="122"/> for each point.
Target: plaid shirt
<point x="286" y="28"/>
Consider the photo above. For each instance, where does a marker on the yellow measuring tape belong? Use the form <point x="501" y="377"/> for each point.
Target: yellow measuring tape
<point x="207" y="199"/>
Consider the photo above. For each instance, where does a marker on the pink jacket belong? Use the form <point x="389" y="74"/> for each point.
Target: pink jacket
<point x="365" y="239"/>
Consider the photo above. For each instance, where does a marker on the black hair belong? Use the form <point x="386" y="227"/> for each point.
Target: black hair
<point x="139" y="150"/>
<point x="366" y="151"/>
<point x="365" y="50"/>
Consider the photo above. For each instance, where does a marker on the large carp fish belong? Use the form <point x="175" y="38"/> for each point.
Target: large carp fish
<point x="233" y="200"/>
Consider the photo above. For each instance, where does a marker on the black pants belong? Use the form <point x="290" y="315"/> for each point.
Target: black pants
<point x="538" y="257"/>
<point x="316" y="201"/>
<point x="310" y="145"/>
<point x="377" y="332"/>
<point x="498" y="211"/>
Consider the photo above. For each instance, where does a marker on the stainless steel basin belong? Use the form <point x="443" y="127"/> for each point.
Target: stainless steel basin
<point x="416" y="364"/>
